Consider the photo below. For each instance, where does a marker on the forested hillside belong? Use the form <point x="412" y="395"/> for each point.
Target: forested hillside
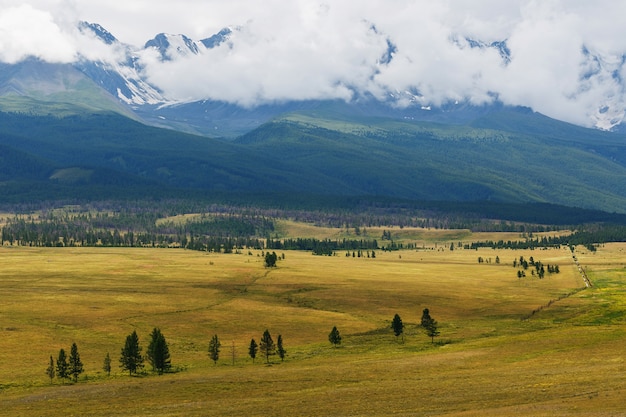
<point x="510" y="157"/>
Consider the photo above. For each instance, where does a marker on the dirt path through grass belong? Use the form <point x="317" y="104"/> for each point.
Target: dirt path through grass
<point x="581" y="269"/>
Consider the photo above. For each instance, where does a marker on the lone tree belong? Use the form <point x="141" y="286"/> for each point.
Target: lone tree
<point x="131" y="359"/>
<point x="50" y="369"/>
<point x="158" y="352"/>
<point x="432" y="329"/>
<point x="279" y="348"/>
<point x="106" y="366"/>
<point x="425" y="317"/>
<point x="75" y="364"/>
<point x="62" y="366"/>
<point x="214" y="349"/>
<point x="266" y="346"/>
<point x="334" y="337"/>
<point x="253" y="349"/>
<point x="397" y="326"/>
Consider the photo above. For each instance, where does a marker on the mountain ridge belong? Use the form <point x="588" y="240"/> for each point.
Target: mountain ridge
<point x="300" y="153"/>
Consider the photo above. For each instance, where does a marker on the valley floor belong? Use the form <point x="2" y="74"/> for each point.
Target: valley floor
<point x="493" y="357"/>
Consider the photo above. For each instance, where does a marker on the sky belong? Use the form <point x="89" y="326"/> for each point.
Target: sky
<point x="566" y="56"/>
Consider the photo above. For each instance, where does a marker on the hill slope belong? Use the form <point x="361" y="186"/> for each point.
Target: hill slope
<point x="314" y="152"/>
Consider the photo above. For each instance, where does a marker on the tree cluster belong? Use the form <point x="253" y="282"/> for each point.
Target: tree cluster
<point x="536" y="267"/>
<point x="267" y="347"/>
<point x="66" y="367"/>
<point x="270" y="259"/>
<point x="429" y="325"/>
<point x="131" y="359"/>
<point x="361" y="254"/>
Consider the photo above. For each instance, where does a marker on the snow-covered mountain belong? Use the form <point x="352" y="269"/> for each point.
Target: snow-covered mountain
<point x="120" y="74"/>
<point x="124" y="72"/>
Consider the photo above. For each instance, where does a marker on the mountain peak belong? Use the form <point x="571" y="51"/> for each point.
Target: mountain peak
<point x="99" y="31"/>
<point x="217" y="39"/>
<point x="172" y="46"/>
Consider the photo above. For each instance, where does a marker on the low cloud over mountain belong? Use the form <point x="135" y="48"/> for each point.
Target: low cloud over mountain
<point x="562" y="58"/>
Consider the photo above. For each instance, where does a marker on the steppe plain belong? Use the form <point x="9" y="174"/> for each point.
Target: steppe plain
<point x="507" y="346"/>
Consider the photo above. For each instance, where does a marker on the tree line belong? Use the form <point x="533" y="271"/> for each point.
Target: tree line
<point x="321" y="247"/>
<point x="587" y="235"/>
<point x="215" y="234"/>
<point x="157" y="354"/>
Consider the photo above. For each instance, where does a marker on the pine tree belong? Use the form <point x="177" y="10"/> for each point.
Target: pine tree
<point x="397" y="326"/>
<point x="50" y="370"/>
<point x="75" y="364"/>
<point x="334" y="337"/>
<point x="425" y="317"/>
<point x="158" y="352"/>
<point x="62" y="366"/>
<point x="432" y="329"/>
<point x="279" y="348"/>
<point x="131" y="359"/>
<point x="106" y="367"/>
<point x="214" y="349"/>
<point x="252" y="350"/>
<point x="266" y="346"/>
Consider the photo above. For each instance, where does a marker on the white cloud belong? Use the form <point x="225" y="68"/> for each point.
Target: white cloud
<point x="310" y="49"/>
<point x="26" y="31"/>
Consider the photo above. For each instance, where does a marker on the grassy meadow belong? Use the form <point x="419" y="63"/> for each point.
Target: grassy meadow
<point x="493" y="357"/>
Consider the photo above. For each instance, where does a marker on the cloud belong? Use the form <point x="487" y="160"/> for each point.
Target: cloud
<point x="26" y="31"/>
<point x="565" y="55"/>
<point x="306" y="53"/>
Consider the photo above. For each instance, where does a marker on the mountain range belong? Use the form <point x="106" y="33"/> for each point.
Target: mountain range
<point x="94" y="129"/>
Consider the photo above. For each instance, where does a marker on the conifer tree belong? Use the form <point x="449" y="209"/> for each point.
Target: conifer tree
<point x="334" y="337"/>
<point x="106" y="367"/>
<point x="75" y="364"/>
<point x="279" y="348"/>
<point x="158" y="352"/>
<point x="252" y="350"/>
<point x="62" y="366"/>
<point x="432" y="329"/>
<point x="266" y="346"/>
<point x="131" y="359"/>
<point x="397" y="326"/>
<point x="50" y="370"/>
<point x="425" y="317"/>
<point x="214" y="349"/>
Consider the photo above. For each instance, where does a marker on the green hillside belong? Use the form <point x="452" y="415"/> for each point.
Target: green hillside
<point x="575" y="166"/>
<point x="39" y="88"/>
<point x="508" y="157"/>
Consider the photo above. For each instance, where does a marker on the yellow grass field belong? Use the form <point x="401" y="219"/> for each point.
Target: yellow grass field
<point x="494" y="357"/>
